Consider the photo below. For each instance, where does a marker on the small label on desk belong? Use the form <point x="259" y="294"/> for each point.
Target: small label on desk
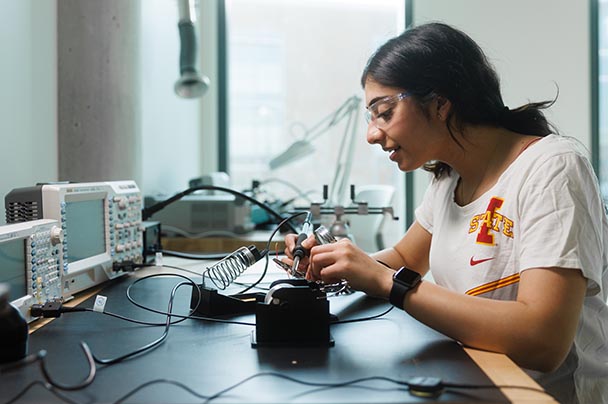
<point x="100" y="303"/>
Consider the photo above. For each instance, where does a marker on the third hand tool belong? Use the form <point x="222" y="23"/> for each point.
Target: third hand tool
<point x="300" y="252"/>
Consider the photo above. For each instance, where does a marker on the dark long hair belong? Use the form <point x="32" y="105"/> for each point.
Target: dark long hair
<point x="436" y="59"/>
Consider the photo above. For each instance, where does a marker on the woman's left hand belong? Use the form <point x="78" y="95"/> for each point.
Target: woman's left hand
<point x="334" y="262"/>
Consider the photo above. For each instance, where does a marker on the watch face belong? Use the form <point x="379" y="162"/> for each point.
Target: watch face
<point x="407" y="276"/>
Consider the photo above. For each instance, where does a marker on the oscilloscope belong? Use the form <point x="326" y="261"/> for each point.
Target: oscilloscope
<point x="31" y="262"/>
<point x="101" y="225"/>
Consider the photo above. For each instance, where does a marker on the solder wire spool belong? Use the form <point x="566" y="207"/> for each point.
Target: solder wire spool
<point x="324" y="236"/>
<point x="224" y="272"/>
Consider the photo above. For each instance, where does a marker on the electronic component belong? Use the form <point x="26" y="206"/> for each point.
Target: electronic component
<point x="101" y="222"/>
<point x="151" y="240"/>
<point x="31" y="258"/>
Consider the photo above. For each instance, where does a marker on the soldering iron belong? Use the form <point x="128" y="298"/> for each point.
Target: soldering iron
<point x="300" y="252"/>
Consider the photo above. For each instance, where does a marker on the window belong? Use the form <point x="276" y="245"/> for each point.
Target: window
<point x="603" y="95"/>
<point x="291" y="66"/>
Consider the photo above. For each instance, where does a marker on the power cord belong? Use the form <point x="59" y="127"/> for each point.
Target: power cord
<point x="50" y="384"/>
<point x="46" y="386"/>
<point x="356" y="320"/>
<point x="267" y="256"/>
<point x="55" y="309"/>
<point x="424" y="387"/>
<point x="152" y="344"/>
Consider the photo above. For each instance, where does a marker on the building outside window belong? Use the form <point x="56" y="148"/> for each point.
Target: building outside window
<point x="603" y="94"/>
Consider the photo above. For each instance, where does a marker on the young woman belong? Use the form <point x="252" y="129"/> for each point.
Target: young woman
<point x="512" y="226"/>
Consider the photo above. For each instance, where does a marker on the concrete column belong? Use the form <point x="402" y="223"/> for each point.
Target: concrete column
<point x="99" y="110"/>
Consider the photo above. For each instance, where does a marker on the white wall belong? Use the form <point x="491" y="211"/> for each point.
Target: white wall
<point x="534" y="45"/>
<point x="28" y="83"/>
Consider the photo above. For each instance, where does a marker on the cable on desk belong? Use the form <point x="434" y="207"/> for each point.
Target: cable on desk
<point x="159" y="381"/>
<point x="47" y="387"/>
<point x="427" y="387"/>
<point x="193" y="310"/>
<point x="55" y="309"/>
<point x="50" y="384"/>
<point x="152" y="344"/>
<point x="88" y="380"/>
<point x="355" y="320"/>
<point x="286" y="220"/>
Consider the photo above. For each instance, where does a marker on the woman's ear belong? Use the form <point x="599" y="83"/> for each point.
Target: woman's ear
<point x="444" y="106"/>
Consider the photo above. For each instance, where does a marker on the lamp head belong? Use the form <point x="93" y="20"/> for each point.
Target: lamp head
<point x="191" y="85"/>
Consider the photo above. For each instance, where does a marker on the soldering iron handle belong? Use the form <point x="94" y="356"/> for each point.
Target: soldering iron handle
<point x="298" y="250"/>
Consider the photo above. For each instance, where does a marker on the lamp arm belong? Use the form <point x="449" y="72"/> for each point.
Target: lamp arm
<point x="345" y="155"/>
<point x="332" y="119"/>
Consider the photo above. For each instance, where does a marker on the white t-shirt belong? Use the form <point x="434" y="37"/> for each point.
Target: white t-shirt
<point x="544" y="211"/>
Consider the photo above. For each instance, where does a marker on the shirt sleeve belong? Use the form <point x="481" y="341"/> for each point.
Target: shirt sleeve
<point x="562" y="218"/>
<point x="424" y="212"/>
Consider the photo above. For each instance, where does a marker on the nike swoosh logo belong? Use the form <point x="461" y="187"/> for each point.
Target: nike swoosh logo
<point x="474" y="262"/>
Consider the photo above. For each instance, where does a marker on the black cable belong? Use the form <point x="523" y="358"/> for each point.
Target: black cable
<point x="180" y="254"/>
<point x="188" y="281"/>
<point x="50" y="384"/>
<point x="46" y="386"/>
<point x="88" y="380"/>
<point x="189" y="316"/>
<point x="305" y="383"/>
<point x="149" y="211"/>
<point x="355" y="320"/>
<point x="286" y="220"/>
<point x="416" y="386"/>
<point x="152" y="344"/>
<point x="151" y="382"/>
<point x="28" y="360"/>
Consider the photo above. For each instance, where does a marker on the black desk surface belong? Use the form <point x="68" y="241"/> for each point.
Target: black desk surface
<point x="208" y="357"/>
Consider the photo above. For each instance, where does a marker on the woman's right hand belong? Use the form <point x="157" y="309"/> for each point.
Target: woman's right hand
<point x="290" y="244"/>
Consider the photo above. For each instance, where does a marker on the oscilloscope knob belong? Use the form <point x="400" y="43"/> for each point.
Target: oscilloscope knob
<point x="56" y="235"/>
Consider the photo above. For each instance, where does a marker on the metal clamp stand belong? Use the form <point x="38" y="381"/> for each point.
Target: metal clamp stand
<point x="339" y="227"/>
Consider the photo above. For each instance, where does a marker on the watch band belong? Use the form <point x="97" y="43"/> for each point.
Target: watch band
<point x="404" y="280"/>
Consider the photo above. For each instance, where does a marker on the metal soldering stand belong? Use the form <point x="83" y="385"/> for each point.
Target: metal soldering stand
<point x="339" y="228"/>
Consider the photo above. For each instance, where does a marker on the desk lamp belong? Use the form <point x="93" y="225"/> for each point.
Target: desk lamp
<point x="349" y="110"/>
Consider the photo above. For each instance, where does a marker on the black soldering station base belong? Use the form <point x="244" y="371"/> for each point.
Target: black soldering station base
<point x="296" y="316"/>
<point x="212" y="303"/>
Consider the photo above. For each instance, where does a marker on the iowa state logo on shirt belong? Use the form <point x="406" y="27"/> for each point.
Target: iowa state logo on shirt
<point x="491" y="222"/>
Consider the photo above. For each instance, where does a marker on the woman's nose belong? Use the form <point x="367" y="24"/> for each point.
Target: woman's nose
<point x="373" y="133"/>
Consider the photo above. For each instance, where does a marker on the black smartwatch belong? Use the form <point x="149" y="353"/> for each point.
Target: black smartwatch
<point x="404" y="280"/>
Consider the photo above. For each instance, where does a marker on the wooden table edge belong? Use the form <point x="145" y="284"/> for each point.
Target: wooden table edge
<point x="504" y="372"/>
